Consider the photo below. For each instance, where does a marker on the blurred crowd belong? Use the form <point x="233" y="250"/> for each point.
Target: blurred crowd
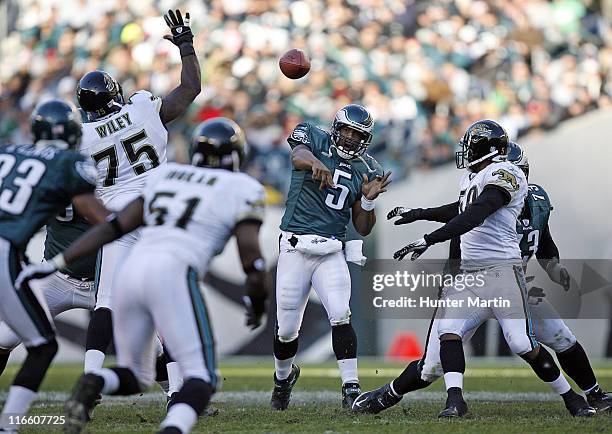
<point x="426" y="69"/>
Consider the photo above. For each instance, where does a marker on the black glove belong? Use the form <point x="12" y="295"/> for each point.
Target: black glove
<point x="417" y="248"/>
<point x="408" y="215"/>
<point x="255" y="310"/>
<point x="181" y="32"/>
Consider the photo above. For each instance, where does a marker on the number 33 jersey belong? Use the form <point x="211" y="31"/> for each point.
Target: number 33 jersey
<point x="324" y="212"/>
<point x="192" y="211"/>
<point x="126" y="146"/>
<point x="496" y="238"/>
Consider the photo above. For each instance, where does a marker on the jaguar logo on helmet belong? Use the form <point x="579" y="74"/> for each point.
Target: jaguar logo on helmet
<point x="484" y="140"/>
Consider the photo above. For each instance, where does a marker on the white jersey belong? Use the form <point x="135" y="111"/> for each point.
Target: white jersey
<point x="496" y="239"/>
<point x="126" y="147"/>
<point x="191" y="211"/>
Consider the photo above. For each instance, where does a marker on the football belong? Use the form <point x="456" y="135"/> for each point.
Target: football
<point x="294" y="64"/>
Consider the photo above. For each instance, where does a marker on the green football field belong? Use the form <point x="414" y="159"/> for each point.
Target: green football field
<point x="507" y="399"/>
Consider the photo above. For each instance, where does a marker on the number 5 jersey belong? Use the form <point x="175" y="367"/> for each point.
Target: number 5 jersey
<point x="324" y="212"/>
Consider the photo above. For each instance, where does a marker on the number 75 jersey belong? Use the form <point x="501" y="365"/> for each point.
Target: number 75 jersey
<point x="191" y="211"/>
<point x="125" y="147"/>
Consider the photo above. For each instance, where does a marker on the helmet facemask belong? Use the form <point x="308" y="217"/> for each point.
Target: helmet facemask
<point x="478" y="145"/>
<point x="350" y="147"/>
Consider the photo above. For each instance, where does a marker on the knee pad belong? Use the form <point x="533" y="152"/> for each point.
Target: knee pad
<point x="195" y="393"/>
<point x="340" y="318"/>
<point x="289" y="330"/>
<point x="430" y="371"/>
<point x="520" y="344"/>
<point x="555" y="334"/>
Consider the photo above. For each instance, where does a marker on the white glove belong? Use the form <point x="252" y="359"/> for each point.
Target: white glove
<point x="417" y="248"/>
<point x="38" y="271"/>
<point x="558" y="274"/>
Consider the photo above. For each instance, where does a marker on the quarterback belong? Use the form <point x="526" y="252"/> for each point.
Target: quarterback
<point x="127" y="141"/>
<point x="333" y="179"/>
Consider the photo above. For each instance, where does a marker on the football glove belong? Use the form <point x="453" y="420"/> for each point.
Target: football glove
<point x="179" y="29"/>
<point x="417" y="248"/>
<point x="408" y="215"/>
<point x="558" y="274"/>
<point x="255" y="310"/>
<point x="35" y="271"/>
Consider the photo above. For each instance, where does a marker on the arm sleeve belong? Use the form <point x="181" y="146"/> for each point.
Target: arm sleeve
<point x="547" y="249"/>
<point x="489" y="201"/>
<point x="300" y="136"/>
<point x="441" y="214"/>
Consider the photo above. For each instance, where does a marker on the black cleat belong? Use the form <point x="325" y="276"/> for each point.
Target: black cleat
<point x="170" y="430"/>
<point x="350" y="391"/>
<point x="79" y="406"/>
<point x="375" y="401"/>
<point x="577" y="405"/>
<point x="455" y="404"/>
<point x="281" y="395"/>
<point x="600" y="400"/>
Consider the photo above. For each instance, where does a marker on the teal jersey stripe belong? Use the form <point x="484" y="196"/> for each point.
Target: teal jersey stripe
<point x="523" y="289"/>
<point x="204" y="328"/>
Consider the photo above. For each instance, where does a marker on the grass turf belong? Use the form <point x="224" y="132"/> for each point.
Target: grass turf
<point x="245" y="410"/>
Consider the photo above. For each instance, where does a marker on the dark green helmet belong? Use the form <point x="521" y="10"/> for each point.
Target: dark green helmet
<point x="58" y="122"/>
<point x="518" y="157"/>
<point x="218" y="143"/>
<point x="358" y="119"/>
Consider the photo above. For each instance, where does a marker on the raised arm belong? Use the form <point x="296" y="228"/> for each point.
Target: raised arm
<point x="177" y="101"/>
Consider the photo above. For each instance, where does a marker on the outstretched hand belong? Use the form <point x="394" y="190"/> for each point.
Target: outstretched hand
<point x="371" y="189"/>
<point x="179" y="28"/>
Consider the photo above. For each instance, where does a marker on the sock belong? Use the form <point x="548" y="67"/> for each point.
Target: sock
<point x="100" y="330"/>
<point x="547" y="370"/>
<point x="4" y="358"/>
<point x="452" y="358"/>
<point x="284" y="355"/>
<point x="175" y="378"/>
<point x="282" y="368"/>
<point x="94" y="360"/>
<point x="181" y="416"/>
<point x="35" y="366"/>
<point x="17" y="404"/>
<point x="348" y="370"/>
<point x="453" y="379"/>
<point x="576" y="365"/>
<point x="592" y="389"/>
<point x="409" y="380"/>
<point x="111" y="381"/>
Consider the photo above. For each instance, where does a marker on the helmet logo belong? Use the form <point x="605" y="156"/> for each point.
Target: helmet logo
<point x="109" y="83"/>
<point x="58" y="129"/>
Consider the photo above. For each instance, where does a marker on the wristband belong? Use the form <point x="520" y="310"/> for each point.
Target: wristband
<point x="367" y="204"/>
<point x="59" y="261"/>
<point x="186" y="49"/>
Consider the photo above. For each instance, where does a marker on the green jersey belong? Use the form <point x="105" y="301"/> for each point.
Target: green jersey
<point x="310" y="210"/>
<point x="62" y="230"/>
<point x="37" y="183"/>
<point x="533" y="221"/>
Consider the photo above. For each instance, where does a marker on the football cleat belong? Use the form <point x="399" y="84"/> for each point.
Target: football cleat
<point x="281" y="395"/>
<point x="375" y="401"/>
<point x="577" y="405"/>
<point x="455" y="404"/>
<point x="82" y="401"/>
<point x="350" y="391"/>
<point x="600" y="400"/>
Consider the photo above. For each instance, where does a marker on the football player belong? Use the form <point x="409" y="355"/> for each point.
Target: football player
<point x="549" y="330"/>
<point x="38" y="181"/>
<point x="333" y="179"/>
<point x="492" y="196"/>
<point x="127" y="140"/>
<point x="183" y="228"/>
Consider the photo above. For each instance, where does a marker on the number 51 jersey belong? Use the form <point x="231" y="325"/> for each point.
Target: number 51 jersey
<point x="192" y="211"/>
<point x="125" y="147"/>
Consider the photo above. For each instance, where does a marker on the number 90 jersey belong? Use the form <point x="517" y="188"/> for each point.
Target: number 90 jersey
<point x="191" y="211"/>
<point x="312" y="211"/>
<point x="495" y="239"/>
<point x="125" y="147"/>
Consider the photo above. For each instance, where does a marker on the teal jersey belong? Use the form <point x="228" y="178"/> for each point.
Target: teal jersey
<point x="310" y="210"/>
<point x="37" y="183"/>
<point x="533" y="220"/>
<point x="62" y="230"/>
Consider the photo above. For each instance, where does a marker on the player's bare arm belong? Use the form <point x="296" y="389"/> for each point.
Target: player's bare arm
<point x="303" y="159"/>
<point x="364" y="220"/>
<point x="177" y="101"/>
<point x="91" y="208"/>
<point x="247" y="238"/>
<point x="440" y="214"/>
<point x="113" y="228"/>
